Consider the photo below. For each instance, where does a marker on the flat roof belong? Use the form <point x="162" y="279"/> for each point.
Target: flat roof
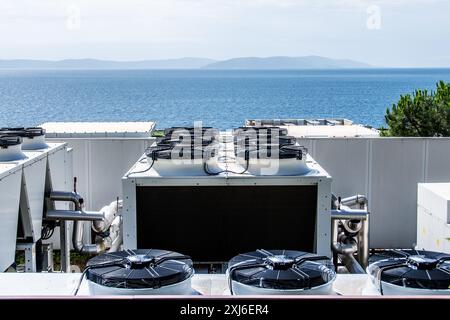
<point x="98" y="129"/>
<point x="318" y="128"/>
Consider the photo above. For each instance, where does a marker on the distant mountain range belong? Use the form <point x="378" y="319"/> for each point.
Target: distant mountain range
<point x="183" y="63"/>
<point x="276" y="63"/>
<point x="248" y="63"/>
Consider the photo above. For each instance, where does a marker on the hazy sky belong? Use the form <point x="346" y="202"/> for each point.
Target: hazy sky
<point x="383" y="32"/>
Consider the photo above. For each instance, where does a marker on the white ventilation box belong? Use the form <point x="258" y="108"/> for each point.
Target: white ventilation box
<point x="433" y="217"/>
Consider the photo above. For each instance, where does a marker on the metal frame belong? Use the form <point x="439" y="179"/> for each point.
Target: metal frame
<point x="30" y="255"/>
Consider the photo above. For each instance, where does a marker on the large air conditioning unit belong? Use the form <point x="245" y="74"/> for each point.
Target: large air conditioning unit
<point x="11" y="158"/>
<point x="230" y="201"/>
<point x="30" y="168"/>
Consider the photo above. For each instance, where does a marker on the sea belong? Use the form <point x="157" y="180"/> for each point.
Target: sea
<point x="222" y="99"/>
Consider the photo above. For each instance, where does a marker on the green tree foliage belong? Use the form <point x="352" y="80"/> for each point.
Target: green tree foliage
<point x="424" y="114"/>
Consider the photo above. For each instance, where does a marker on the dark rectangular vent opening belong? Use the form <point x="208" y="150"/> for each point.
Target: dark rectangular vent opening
<point x="214" y="223"/>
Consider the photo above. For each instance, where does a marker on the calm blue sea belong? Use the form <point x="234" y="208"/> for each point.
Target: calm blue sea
<point x="223" y="99"/>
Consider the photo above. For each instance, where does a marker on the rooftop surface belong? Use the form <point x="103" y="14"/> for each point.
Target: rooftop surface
<point x="317" y="128"/>
<point x="97" y="129"/>
<point x="64" y="284"/>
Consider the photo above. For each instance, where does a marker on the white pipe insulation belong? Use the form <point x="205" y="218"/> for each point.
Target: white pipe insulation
<point x="110" y="211"/>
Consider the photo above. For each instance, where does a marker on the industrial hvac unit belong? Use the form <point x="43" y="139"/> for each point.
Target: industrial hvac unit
<point x="10" y="178"/>
<point x="28" y="169"/>
<point x="44" y="170"/>
<point x="214" y="217"/>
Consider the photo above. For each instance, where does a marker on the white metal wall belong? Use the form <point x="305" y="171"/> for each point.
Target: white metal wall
<point x="387" y="170"/>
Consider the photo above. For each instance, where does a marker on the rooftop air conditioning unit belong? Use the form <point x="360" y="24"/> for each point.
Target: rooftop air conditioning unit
<point x="33" y="137"/>
<point x="10" y="183"/>
<point x="214" y="213"/>
<point x="42" y="167"/>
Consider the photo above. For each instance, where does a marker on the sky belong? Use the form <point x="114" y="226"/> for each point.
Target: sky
<point x="385" y="33"/>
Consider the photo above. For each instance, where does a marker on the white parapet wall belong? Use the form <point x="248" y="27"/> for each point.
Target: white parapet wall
<point x="387" y="171"/>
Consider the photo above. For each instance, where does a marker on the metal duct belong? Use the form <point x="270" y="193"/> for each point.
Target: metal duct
<point x="358" y="199"/>
<point x="77" y="241"/>
<point x="77" y="216"/>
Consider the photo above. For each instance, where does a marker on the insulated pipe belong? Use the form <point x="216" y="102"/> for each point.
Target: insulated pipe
<point x="77" y="241"/>
<point x="110" y="212"/>
<point x="359" y="199"/>
<point x="115" y="246"/>
<point x="346" y="213"/>
<point x="77" y="216"/>
<point x="363" y="243"/>
<point x="117" y="241"/>
<point x="351" y="264"/>
<point x="67" y="196"/>
<point x="345" y="253"/>
<point x="74" y="215"/>
<point x="341" y="248"/>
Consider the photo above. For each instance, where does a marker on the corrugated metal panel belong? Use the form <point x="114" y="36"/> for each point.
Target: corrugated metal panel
<point x="387" y="170"/>
<point x="437" y="160"/>
<point x="345" y="160"/>
<point x="397" y="167"/>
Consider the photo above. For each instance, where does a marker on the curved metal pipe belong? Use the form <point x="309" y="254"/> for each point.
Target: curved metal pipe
<point x="341" y="248"/>
<point x="346" y="251"/>
<point x="77" y="216"/>
<point x="358" y="199"/>
<point x="73" y="197"/>
<point x="351" y="264"/>
<point x="117" y="241"/>
<point x="77" y="241"/>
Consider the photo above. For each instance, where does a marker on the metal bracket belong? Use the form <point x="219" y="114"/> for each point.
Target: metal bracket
<point x="30" y="256"/>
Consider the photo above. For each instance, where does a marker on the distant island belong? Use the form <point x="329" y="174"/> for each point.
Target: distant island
<point x="245" y="63"/>
<point x="277" y="63"/>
